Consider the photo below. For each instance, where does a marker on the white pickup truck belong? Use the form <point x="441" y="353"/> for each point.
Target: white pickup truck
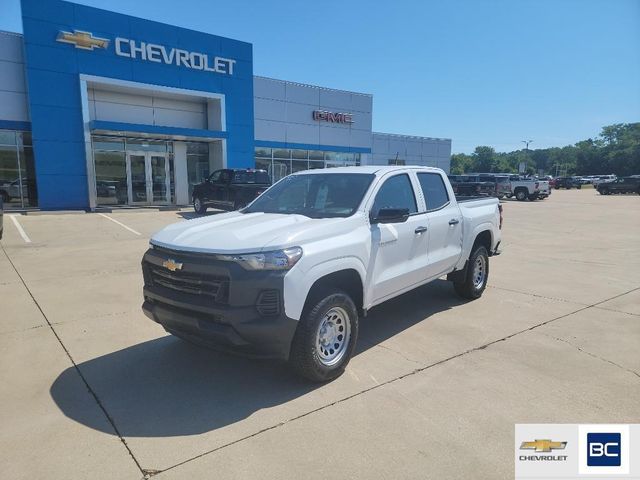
<point x="289" y="275"/>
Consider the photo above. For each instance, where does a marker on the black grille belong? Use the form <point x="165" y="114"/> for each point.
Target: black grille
<point x="195" y="284"/>
<point x="268" y="303"/>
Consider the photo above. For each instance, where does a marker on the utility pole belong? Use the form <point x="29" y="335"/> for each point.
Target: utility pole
<point x="526" y="147"/>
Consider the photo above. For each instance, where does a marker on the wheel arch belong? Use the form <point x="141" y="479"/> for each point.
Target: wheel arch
<point x="347" y="280"/>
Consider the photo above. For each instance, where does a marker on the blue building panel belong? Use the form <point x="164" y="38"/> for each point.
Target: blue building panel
<point x="53" y="70"/>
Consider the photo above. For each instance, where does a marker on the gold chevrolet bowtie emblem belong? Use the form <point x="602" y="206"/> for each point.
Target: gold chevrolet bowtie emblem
<point x="83" y="40"/>
<point x="172" y="265"/>
<point x="543" y="445"/>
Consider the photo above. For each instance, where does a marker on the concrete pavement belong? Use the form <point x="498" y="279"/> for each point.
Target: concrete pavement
<point x="95" y="389"/>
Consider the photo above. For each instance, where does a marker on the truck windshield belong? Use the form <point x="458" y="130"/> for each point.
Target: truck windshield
<point x="319" y="195"/>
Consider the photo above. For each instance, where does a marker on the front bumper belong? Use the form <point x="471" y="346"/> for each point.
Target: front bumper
<point x="238" y="320"/>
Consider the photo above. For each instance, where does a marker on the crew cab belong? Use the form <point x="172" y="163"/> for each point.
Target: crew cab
<point x="289" y="276"/>
<point x="230" y="189"/>
<point x="471" y="185"/>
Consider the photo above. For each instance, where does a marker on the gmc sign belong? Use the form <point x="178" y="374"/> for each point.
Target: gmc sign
<point x="325" y="116"/>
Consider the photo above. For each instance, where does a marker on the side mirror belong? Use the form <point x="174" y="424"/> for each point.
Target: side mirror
<point x="391" y="215"/>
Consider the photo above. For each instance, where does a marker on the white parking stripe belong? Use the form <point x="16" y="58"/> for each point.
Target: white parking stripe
<point x="119" y="223"/>
<point x="21" y="231"/>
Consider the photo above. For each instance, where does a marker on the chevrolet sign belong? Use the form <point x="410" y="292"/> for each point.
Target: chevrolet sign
<point x="150" y="52"/>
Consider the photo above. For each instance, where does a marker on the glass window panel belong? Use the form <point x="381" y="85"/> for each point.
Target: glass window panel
<point x="433" y="190"/>
<point x="299" y="165"/>
<point x="9" y="176"/>
<point x="263" y="152"/>
<point x="396" y="192"/>
<point x="264" y="164"/>
<point x="26" y="138"/>
<point x="198" y="148"/>
<point x="280" y="169"/>
<point x="299" y="154"/>
<point x="7" y="137"/>
<point x="111" y="144"/>
<point x="316" y="155"/>
<point x="111" y="178"/>
<point x="356" y="157"/>
<point x="314" y="165"/>
<point x="197" y="170"/>
<point x="28" y="172"/>
<point x="330" y="156"/>
<point x="147" y="145"/>
<point x="285" y="154"/>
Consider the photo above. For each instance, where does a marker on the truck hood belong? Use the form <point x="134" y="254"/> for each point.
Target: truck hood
<point x="236" y="232"/>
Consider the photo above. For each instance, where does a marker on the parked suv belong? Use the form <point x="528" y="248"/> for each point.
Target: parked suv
<point x="620" y="185"/>
<point x="567" y="182"/>
<point x="230" y="189"/>
<point x="290" y="275"/>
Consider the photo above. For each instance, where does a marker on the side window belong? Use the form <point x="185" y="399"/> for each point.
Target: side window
<point x="396" y="192"/>
<point x="434" y="191"/>
<point x="215" y="176"/>
<point x="225" y="176"/>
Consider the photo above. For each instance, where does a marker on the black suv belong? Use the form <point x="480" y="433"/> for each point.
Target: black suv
<point x="620" y="185"/>
<point x="230" y="189"/>
<point x="567" y="182"/>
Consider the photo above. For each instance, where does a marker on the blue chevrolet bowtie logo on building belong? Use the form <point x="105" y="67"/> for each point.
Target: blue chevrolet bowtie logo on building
<point x="603" y="450"/>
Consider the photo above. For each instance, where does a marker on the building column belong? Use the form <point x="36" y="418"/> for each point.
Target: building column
<point x="182" y="177"/>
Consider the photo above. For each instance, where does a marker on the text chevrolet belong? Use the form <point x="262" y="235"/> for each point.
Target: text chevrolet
<point x="289" y="275"/>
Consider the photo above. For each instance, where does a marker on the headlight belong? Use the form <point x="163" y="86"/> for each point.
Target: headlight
<point x="276" y="260"/>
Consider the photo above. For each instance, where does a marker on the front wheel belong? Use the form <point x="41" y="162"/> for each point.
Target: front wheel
<point x="199" y="206"/>
<point x="521" y="195"/>
<point x="326" y="337"/>
<point x="475" y="279"/>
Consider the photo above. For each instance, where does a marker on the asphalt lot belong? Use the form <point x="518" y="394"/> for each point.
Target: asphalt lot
<point x="93" y="389"/>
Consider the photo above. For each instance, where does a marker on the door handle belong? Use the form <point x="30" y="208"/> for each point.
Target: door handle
<point x="454" y="221"/>
<point x="420" y="230"/>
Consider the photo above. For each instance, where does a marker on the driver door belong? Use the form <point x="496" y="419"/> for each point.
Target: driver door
<point x="398" y="250"/>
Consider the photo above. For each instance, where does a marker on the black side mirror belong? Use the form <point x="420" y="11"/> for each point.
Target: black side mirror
<point x="391" y="215"/>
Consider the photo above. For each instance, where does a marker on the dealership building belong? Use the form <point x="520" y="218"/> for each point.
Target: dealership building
<point x="103" y="109"/>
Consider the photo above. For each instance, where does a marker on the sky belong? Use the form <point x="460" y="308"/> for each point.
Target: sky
<point x="479" y="72"/>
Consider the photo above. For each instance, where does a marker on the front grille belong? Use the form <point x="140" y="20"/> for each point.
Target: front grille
<point x="195" y="284"/>
<point x="268" y="303"/>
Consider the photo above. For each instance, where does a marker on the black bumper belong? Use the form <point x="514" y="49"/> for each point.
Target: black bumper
<point x="238" y="319"/>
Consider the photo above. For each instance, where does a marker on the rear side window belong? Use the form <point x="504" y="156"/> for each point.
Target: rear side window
<point x="255" y="176"/>
<point x="396" y="192"/>
<point x="434" y="191"/>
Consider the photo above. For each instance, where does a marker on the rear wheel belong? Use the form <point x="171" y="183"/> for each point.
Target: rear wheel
<point x="199" y="206"/>
<point x="604" y="191"/>
<point x="521" y="194"/>
<point x="326" y="336"/>
<point x="472" y="285"/>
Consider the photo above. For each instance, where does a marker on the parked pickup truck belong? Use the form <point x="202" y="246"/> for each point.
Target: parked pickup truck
<point x="472" y="185"/>
<point x="524" y="188"/>
<point x="289" y="275"/>
<point x="230" y="189"/>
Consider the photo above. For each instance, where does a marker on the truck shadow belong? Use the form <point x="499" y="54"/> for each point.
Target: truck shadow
<point x="167" y="387"/>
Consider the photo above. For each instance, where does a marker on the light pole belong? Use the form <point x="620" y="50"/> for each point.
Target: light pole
<point x="526" y="147"/>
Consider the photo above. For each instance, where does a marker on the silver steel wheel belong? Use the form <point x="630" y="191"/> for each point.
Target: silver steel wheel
<point x="332" y="338"/>
<point x="197" y="204"/>
<point x="479" y="271"/>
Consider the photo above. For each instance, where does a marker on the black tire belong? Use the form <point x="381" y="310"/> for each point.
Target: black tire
<point x="557" y="187"/>
<point x="533" y="197"/>
<point x="468" y="287"/>
<point x="604" y="191"/>
<point x="199" y="206"/>
<point x="305" y="358"/>
<point x="579" y="187"/>
<point x="521" y="194"/>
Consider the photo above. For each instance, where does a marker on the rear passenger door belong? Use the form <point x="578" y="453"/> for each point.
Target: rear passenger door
<point x="445" y="224"/>
<point x="398" y="250"/>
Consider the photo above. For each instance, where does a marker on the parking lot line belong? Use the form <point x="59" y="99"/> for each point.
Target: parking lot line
<point x="119" y="223"/>
<point x="21" y="231"/>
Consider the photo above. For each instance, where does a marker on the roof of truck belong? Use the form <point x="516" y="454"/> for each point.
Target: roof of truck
<point x="370" y="169"/>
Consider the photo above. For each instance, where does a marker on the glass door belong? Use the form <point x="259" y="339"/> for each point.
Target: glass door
<point x="149" y="178"/>
<point x="137" y="169"/>
<point x="159" y="169"/>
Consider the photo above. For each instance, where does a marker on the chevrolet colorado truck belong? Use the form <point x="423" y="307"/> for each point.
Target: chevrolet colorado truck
<point x="290" y="275"/>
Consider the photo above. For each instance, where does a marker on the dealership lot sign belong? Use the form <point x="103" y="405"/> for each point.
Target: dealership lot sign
<point x="151" y="52"/>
